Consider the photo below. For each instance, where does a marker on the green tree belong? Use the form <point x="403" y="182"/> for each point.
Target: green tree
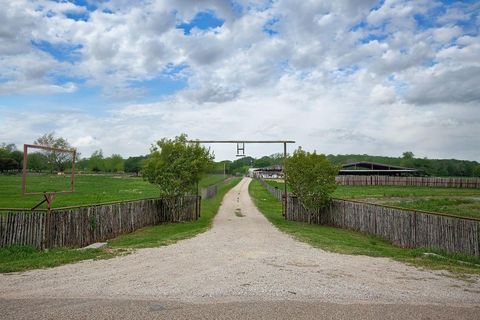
<point x="7" y="149"/>
<point x="240" y="166"/>
<point x="56" y="160"/>
<point x="96" y="163"/>
<point x="221" y="167"/>
<point x="408" y="159"/>
<point x="263" y="162"/>
<point x="82" y="164"/>
<point x="12" y="159"/>
<point x="476" y="171"/>
<point x="176" y="166"/>
<point x="311" y="177"/>
<point x="18" y="157"/>
<point x="37" y="162"/>
<point x="134" y="164"/>
<point x="8" y="164"/>
<point x="114" y="163"/>
<point x="277" y="159"/>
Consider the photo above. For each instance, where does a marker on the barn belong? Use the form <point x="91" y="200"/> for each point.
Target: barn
<point x="361" y="168"/>
<point x="366" y="168"/>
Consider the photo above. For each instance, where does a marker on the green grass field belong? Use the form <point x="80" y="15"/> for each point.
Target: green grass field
<point x="17" y="258"/>
<point x="454" y="201"/>
<point x="350" y="242"/>
<point x="359" y="192"/>
<point x="89" y="189"/>
<point x="362" y="192"/>
<point x="464" y="207"/>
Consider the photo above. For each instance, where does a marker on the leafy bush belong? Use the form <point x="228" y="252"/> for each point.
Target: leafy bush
<point x="176" y="166"/>
<point x="311" y="177"/>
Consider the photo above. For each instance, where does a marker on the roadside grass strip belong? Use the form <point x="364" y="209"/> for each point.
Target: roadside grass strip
<point x="164" y="234"/>
<point x="210" y="180"/>
<point x="354" y="243"/>
<point x="21" y="258"/>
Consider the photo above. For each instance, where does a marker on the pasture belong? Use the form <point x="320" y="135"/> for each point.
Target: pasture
<point x="89" y="189"/>
<point x="454" y="201"/>
<point x="356" y="243"/>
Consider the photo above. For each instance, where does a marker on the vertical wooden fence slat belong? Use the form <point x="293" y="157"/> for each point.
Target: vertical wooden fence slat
<point x="446" y="182"/>
<point x="405" y="228"/>
<point x="74" y="227"/>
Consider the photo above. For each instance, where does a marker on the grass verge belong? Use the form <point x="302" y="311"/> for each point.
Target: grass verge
<point x="21" y="258"/>
<point x="210" y="180"/>
<point x="164" y="234"/>
<point x="355" y="243"/>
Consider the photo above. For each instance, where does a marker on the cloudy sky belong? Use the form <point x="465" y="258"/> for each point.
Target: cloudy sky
<point x="359" y="76"/>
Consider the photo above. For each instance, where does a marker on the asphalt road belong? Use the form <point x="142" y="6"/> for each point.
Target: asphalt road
<point x="141" y="309"/>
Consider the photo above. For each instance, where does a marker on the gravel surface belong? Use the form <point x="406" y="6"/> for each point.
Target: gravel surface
<point x="244" y="258"/>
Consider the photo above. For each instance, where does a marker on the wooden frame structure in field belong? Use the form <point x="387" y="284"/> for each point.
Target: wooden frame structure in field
<point x="48" y="195"/>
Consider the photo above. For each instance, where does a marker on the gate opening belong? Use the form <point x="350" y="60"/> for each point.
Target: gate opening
<point x="241" y="153"/>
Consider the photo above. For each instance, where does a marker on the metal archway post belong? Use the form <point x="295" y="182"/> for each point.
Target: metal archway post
<point x="242" y="144"/>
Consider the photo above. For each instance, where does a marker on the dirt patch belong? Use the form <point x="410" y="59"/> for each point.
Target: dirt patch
<point x="238" y="213"/>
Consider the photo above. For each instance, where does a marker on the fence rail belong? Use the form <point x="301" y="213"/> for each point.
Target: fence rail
<point x="209" y="192"/>
<point x="277" y="193"/>
<point x="81" y="226"/>
<point x="405" y="228"/>
<point x="445" y="182"/>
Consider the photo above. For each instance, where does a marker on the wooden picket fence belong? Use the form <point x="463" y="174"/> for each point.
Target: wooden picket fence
<point x="403" y="227"/>
<point x="81" y="226"/>
<point x="277" y="193"/>
<point x="209" y="192"/>
<point x="445" y="182"/>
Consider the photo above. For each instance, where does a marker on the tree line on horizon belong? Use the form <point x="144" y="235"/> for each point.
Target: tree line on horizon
<point x="11" y="161"/>
<point x="431" y="167"/>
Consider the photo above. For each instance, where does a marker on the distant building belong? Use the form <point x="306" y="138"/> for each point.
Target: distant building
<point x="273" y="172"/>
<point x="361" y="168"/>
<point x="366" y="168"/>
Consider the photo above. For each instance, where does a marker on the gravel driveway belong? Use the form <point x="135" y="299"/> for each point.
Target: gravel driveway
<point x="244" y="258"/>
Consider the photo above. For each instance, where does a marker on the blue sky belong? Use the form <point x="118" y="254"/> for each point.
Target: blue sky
<point x="378" y="77"/>
<point x="203" y="20"/>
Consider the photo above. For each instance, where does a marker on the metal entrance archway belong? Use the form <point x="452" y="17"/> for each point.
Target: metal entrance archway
<point x="241" y="148"/>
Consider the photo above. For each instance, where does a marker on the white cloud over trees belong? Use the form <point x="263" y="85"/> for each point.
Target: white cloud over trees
<point x="397" y="75"/>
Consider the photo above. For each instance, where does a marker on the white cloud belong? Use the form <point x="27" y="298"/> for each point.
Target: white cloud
<point x="438" y="85"/>
<point x="337" y="76"/>
<point x="86" y="141"/>
<point x="445" y="34"/>
<point x="383" y="94"/>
